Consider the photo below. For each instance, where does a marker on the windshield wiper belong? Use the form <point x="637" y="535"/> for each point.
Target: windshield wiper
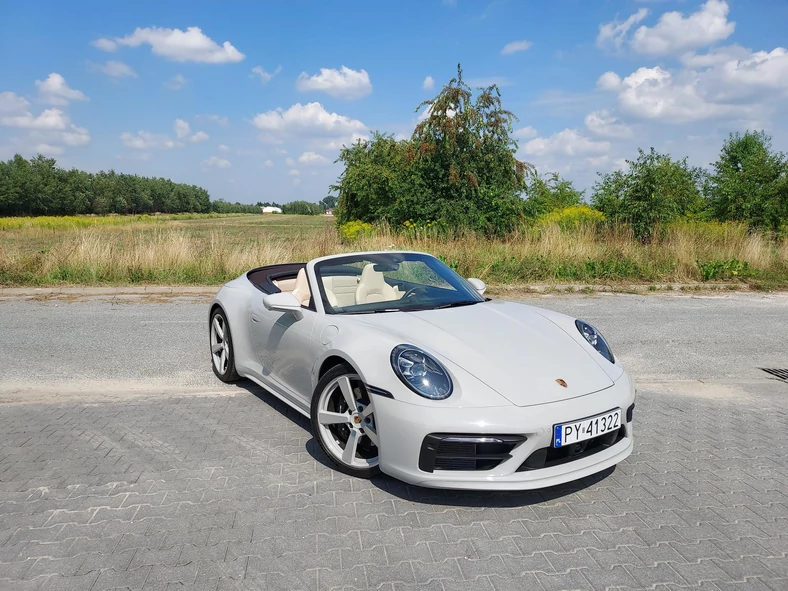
<point x="378" y="311"/>
<point x="455" y="305"/>
<point x="437" y="307"/>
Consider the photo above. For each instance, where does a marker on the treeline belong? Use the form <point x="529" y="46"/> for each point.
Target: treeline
<point x="39" y="187"/>
<point x="459" y="171"/>
<point x="222" y="206"/>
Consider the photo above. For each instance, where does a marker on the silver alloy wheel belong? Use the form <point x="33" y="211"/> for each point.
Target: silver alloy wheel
<point x="220" y="349"/>
<point x="346" y="420"/>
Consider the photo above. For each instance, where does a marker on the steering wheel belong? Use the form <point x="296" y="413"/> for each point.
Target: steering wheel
<point x="414" y="290"/>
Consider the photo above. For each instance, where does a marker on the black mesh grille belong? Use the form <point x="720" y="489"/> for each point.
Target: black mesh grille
<point x="555" y="456"/>
<point x="446" y="451"/>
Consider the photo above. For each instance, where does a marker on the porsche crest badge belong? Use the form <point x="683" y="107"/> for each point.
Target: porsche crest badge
<point x="561" y="382"/>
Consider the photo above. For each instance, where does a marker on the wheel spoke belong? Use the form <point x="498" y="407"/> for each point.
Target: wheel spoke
<point x="370" y="432"/>
<point x="350" y="447"/>
<point x="218" y="328"/>
<point x="347" y="392"/>
<point x="325" y="417"/>
<point x="216" y="348"/>
<point x="366" y="411"/>
<point x="223" y="360"/>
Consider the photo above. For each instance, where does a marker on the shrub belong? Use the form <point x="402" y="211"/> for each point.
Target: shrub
<point x="353" y="230"/>
<point x="572" y="217"/>
<point x="720" y="270"/>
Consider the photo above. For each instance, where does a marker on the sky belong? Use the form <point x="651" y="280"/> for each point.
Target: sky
<point x="253" y="100"/>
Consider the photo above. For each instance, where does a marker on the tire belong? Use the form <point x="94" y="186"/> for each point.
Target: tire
<point x="335" y="425"/>
<point x="220" y="345"/>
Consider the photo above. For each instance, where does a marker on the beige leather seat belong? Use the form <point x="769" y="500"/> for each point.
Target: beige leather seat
<point x="373" y="287"/>
<point x="301" y="289"/>
<point x="342" y="287"/>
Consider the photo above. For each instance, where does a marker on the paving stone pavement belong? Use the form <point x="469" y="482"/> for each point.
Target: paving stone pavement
<point x="229" y="491"/>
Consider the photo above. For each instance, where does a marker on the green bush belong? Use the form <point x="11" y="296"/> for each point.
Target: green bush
<point x="570" y="218"/>
<point x="352" y="231"/>
<point x="721" y="270"/>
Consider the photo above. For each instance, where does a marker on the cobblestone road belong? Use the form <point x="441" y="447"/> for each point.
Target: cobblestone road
<point x="228" y="490"/>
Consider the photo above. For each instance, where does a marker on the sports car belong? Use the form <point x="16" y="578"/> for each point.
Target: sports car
<point x="405" y="368"/>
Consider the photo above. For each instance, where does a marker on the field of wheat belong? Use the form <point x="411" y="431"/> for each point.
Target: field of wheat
<point x="212" y="249"/>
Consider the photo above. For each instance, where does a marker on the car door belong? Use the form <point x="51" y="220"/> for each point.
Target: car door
<point x="283" y="344"/>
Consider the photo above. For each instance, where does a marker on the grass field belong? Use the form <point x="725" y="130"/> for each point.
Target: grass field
<point x="210" y="249"/>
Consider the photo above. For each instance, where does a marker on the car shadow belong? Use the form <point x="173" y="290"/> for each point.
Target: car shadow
<point x="431" y="496"/>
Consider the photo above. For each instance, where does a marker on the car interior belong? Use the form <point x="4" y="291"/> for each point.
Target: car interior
<point x="342" y="289"/>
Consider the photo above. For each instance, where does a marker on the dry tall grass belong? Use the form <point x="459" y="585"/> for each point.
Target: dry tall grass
<point x="178" y="254"/>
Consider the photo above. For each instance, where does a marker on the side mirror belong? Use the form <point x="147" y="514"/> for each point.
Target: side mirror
<point x="282" y="302"/>
<point x="477" y="284"/>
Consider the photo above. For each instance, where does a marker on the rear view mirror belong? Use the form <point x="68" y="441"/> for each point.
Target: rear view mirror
<point x="478" y="285"/>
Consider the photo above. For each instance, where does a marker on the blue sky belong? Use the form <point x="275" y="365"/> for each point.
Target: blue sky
<point x="252" y="100"/>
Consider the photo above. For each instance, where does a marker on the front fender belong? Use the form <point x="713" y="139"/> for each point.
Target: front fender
<point x="368" y="351"/>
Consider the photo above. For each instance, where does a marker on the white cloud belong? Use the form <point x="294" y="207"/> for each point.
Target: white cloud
<point x="612" y="34"/>
<point x="48" y="149"/>
<point x="609" y="81"/>
<point x="307" y="120"/>
<point x="289" y="161"/>
<point x="114" y="69"/>
<point x="268" y="163"/>
<point x="296" y="182"/>
<point x="428" y="83"/>
<point x="144" y="140"/>
<point x="265" y="77"/>
<point x="525" y="132"/>
<point x="516" y="46"/>
<point x="294" y="172"/>
<point x="105" y="44"/>
<point x="10" y="102"/>
<point x="567" y="142"/>
<point x="604" y="124"/>
<point x="312" y="158"/>
<point x="182" y="128"/>
<point x="176" y="82"/>
<point x="654" y="93"/>
<point x="759" y="70"/>
<point x="191" y="45"/>
<point x="200" y="136"/>
<point x="51" y="129"/>
<point x="715" y="57"/>
<point x="223" y="148"/>
<point x="675" y="33"/>
<point x="55" y="91"/>
<point x="343" y="83"/>
<point x="215" y="161"/>
<point x="48" y="119"/>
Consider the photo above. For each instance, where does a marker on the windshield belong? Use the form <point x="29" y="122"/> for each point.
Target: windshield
<point x="390" y="282"/>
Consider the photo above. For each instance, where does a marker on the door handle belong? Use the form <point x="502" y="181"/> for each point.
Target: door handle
<point x="255" y="318"/>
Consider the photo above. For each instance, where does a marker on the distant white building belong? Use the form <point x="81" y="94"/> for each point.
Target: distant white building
<point x="269" y="209"/>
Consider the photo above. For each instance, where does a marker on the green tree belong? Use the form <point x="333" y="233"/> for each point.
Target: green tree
<point x="654" y="191"/>
<point x="302" y="208"/>
<point x="329" y="202"/>
<point x="458" y="167"/>
<point x="544" y="195"/>
<point x="749" y="182"/>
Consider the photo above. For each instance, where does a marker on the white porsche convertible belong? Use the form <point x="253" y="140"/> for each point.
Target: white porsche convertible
<point x="404" y="367"/>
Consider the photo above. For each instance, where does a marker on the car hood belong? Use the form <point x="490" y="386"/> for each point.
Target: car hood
<point x="511" y="347"/>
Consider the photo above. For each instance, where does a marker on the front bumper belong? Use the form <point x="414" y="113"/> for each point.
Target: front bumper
<point x="402" y="429"/>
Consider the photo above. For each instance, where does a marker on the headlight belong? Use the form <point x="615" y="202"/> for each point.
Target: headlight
<point x="596" y="340"/>
<point x="420" y="372"/>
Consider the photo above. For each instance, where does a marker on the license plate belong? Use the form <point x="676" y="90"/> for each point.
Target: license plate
<point x="576" y="431"/>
